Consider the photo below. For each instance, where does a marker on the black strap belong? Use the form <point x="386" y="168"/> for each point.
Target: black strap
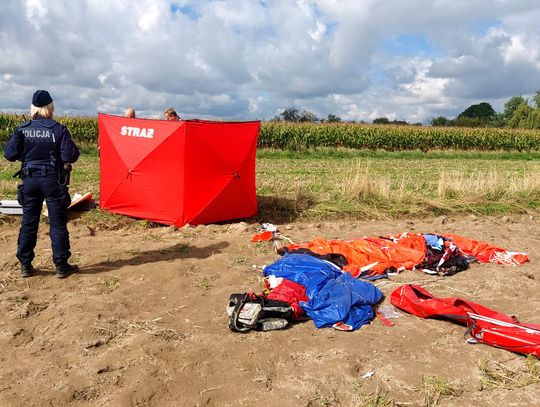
<point x="233" y="320"/>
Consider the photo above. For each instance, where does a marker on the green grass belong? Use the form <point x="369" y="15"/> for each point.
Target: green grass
<point x="337" y="183"/>
<point x="347" y="153"/>
<point x="376" y="184"/>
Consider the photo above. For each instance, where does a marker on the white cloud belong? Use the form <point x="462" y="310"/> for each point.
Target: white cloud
<point x="248" y="59"/>
<point x="149" y="16"/>
<point x="36" y="11"/>
<point x="318" y="33"/>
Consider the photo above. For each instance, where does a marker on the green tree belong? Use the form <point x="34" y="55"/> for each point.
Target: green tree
<point x="519" y="118"/>
<point x="399" y="122"/>
<point x="536" y="99"/>
<point x="440" y="121"/>
<point x="381" y="120"/>
<point x="291" y="114"/>
<point x="332" y="118"/>
<point x="510" y="107"/>
<point x="307" y="116"/>
<point x="497" y="120"/>
<point x="483" y="111"/>
<point x="464" y="121"/>
<point x="532" y="121"/>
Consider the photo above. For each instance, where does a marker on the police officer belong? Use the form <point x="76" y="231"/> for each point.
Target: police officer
<point x="46" y="151"/>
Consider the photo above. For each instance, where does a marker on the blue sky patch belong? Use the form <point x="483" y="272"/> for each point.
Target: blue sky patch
<point x="481" y="28"/>
<point x="189" y="11"/>
<point x="409" y="44"/>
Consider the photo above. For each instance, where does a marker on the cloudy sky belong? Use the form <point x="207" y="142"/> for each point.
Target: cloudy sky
<point x="249" y="59"/>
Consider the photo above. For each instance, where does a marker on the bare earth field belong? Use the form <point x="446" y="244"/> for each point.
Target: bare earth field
<point x="144" y="324"/>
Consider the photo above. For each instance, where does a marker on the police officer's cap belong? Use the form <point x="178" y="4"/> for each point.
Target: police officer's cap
<point x="41" y="98"/>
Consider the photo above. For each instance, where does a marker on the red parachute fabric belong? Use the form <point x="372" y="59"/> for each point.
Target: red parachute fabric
<point x="291" y="293"/>
<point x="263" y="236"/>
<point x="485" y="325"/>
<point x="178" y="172"/>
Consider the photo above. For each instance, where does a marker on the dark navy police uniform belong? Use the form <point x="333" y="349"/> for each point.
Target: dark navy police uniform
<point x="43" y="146"/>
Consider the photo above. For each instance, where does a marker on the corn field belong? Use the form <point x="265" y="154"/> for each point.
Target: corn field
<point x="395" y="138"/>
<point x="299" y="136"/>
<point x="84" y="130"/>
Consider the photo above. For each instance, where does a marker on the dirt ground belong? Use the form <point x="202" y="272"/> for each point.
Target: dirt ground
<point x="144" y="324"/>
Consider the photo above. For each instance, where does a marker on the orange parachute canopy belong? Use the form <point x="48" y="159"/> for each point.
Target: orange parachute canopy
<point x="376" y="255"/>
<point x="486" y="252"/>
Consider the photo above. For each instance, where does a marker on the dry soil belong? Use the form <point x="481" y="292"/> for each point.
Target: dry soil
<point x="144" y="324"/>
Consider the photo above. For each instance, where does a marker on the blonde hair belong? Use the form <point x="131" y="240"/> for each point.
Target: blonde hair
<point x="46" y="111"/>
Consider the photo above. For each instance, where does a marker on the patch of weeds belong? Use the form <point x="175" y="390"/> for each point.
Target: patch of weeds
<point x="9" y="279"/>
<point x="204" y="284"/>
<point x="86" y="394"/>
<point x="151" y="237"/>
<point x="433" y="388"/>
<point x="324" y="398"/>
<point x="150" y="327"/>
<point x="111" y="282"/>
<point x="495" y="374"/>
<point x="99" y="219"/>
<point x="186" y="232"/>
<point x="32" y="308"/>
<point x="490" y="376"/>
<point x="261" y="248"/>
<point x="357" y="385"/>
<point x="377" y="400"/>
<point x="8" y="219"/>
<point x="168" y="335"/>
<point x="304" y="199"/>
<point x="183" y="249"/>
<point x="532" y="366"/>
<point x="255" y="279"/>
<point x="238" y="262"/>
<point x="146" y="224"/>
<point x="110" y="329"/>
<point x="17" y="302"/>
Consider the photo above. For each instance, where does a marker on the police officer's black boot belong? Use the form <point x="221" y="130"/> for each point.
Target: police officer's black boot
<point x="64" y="270"/>
<point x="27" y="270"/>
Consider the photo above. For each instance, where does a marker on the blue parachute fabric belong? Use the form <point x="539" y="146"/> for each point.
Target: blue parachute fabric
<point x="344" y="299"/>
<point x="333" y="296"/>
<point x="434" y="241"/>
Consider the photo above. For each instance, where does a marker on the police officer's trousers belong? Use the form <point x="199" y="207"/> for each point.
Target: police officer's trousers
<point x="30" y="195"/>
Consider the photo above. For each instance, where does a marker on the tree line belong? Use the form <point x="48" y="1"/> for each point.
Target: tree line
<point x="292" y="114"/>
<point x="518" y="114"/>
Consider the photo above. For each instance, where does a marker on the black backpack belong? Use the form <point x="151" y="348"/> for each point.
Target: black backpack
<point x="250" y="311"/>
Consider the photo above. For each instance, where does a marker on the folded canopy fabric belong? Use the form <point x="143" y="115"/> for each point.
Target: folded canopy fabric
<point x="333" y="298"/>
<point x="402" y="252"/>
<point x="484" y="324"/>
